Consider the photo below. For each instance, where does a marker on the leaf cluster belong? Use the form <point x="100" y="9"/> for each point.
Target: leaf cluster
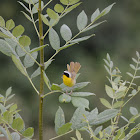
<point x="10" y="119"/>
<point x="78" y="119"/>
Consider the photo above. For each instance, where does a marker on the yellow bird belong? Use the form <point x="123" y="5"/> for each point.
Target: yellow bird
<point x="69" y="76"/>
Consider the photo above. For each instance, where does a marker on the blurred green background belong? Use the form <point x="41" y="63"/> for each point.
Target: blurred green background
<point x="120" y="37"/>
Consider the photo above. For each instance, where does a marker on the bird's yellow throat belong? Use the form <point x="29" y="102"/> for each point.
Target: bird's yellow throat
<point x="68" y="81"/>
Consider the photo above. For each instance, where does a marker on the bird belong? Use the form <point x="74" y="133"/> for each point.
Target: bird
<point x="69" y="75"/>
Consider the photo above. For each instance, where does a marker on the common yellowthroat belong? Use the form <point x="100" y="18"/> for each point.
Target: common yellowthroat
<point x="69" y="76"/>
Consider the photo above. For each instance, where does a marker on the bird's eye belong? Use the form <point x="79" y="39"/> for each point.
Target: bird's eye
<point x="67" y="74"/>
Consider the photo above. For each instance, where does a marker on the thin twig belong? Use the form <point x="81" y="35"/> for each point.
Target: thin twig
<point x="61" y="135"/>
<point x="47" y="4"/>
<point x="51" y="93"/>
<point x="33" y="85"/>
<point x="33" y="19"/>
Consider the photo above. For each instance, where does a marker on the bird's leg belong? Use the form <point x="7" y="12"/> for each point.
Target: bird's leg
<point x="67" y="92"/>
<point x="70" y="92"/>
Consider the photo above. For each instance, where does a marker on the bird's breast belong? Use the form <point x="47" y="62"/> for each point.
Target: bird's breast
<point x="68" y="81"/>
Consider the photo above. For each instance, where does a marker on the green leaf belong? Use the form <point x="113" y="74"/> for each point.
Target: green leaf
<point x="64" y="98"/>
<point x="65" y="32"/>
<point x="92" y="115"/>
<point x="53" y="22"/>
<point x="137" y="54"/>
<point x="18" y="124"/>
<point x="19" y="65"/>
<point x="6" y="48"/>
<point x="77" y="117"/>
<point x="107" y="9"/>
<point x="11" y="42"/>
<point x="104" y="116"/>
<point x="118" y="104"/>
<point x="2" y="22"/>
<point x="10" y="24"/>
<point x="2" y="108"/>
<point x="13" y="108"/>
<point x="128" y="73"/>
<point x="125" y="119"/>
<point x="133" y="118"/>
<point x="64" y="128"/>
<point x="24" y="6"/>
<point x="27" y="16"/>
<point x="78" y="135"/>
<point x="71" y="2"/>
<point x="28" y="61"/>
<point x="5" y="32"/>
<point x="20" y="51"/>
<point x="93" y="26"/>
<point x="107" y="69"/>
<point x="108" y="57"/>
<point x="54" y="39"/>
<point x="132" y="66"/>
<point x="52" y="14"/>
<point x="25" y="41"/>
<point x="44" y="19"/>
<point x="8" y="106"/>
<point x="77" y="86"/>
<point x="65" y="2"/>
<point x="4" y="35"/>
<point x="135" y="60"/>
<point x="58" y="8"/>
<point x="119" y="95"/>
<point x="138" y="88"/>
<point x="15" y="136"/>
<point x="8" y="117"/>
<point x="109" y="91"/>
<point x="95" y="15"/>
<point x="97" y="130"/>
<point x="82" y="20"/>
<point x="32" y="2"/>
<point x="81" y="39"/>
<point x="3" y="131"/>
<point x="81" y="94"/>
<point x="133" y="111"/>
<point x="10" y="97"/>
<point x="38" y="48"/>
<point x="66" y="46"/>
<point x="8" y="91"/>
<point x="105" y="103"/>
<point x="80" y="102"/>
<point x="8" y="133"/>
<point x="35" y="8"/>
<point x="37" y="71"/>
<point x="59" y="119"/>
<point x="46" y="80"/>
<point x="29" y="132"/>
<point x="72" y="7"/>
<point x="137" y="76"/>
<point x="73" y="138"/>
<point x="55" y="87"/>
<point x="18" y="30"/>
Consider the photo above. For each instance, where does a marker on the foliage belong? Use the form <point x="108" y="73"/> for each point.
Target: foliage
<point x="121" y="92"/>
<point x="17" y="46"/>
<point x="12" y="124"/>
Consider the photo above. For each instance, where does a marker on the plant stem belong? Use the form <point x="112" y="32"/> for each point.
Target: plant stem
<point x="61" y="135"/>
<point x="41" y="40"/>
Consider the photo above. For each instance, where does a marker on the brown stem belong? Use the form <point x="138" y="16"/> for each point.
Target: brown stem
<point x="41" y="40"/>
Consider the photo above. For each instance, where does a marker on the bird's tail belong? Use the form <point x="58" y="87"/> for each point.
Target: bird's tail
<point x="73" y="67"/>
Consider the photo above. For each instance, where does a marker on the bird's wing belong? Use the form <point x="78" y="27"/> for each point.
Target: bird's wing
<point x="68" y="67"/>
<point x="73" y="68"/>
<point x="77" y="66"/>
